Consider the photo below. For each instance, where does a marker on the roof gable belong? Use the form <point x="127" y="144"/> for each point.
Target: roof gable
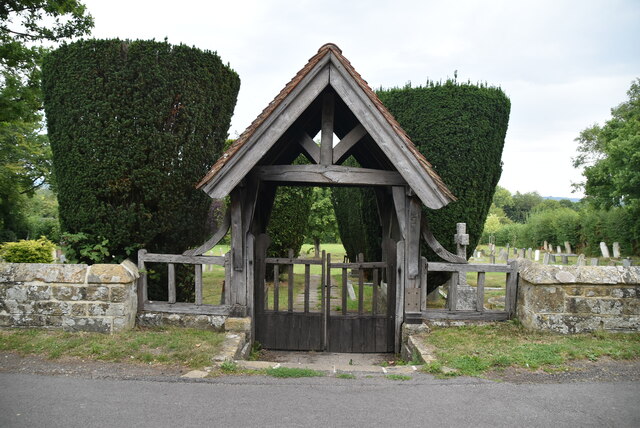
<point x="328" y="69"/>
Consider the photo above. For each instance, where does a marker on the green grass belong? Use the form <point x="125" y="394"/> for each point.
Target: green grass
<point x="398" y="377"/>
<point x="472" y="350"/>
<point x="186" y="347"/>
<point x="290" y="372"/>
<point x="345" y="376"/>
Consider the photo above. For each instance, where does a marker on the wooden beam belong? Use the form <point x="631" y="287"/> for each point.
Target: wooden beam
<point x="455" y="267"/>
<point x="349" y="140"/>
<point x="386" y="137"/>
<point x="326" y="140"/>
<point x="182" y="259"/>
<point x="310" y="147"/>
<point x="400" y="207"/>
<point x="215" y="238"/>
<point x="330" y="174"/>
<point x="269" y="132"/>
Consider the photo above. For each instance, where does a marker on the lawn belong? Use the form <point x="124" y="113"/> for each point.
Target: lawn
<point x="183" y="346"/>
<point x="472" y="350"/>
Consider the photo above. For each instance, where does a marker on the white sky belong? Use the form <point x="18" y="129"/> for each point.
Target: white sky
<point x="562" y="63"/>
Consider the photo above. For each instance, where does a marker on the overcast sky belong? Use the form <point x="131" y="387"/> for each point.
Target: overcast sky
<point x="563" y="64"/>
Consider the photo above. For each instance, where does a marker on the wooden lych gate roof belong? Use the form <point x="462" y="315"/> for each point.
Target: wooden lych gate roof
<point x="327" y="94"/>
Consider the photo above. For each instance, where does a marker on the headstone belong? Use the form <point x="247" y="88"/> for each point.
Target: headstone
<point x="604" y="250"/>
<point x="545" y="245"/>
<point x="616" y="250"/>
<point x="536" y="256"/>
<point x="594" y="262"/>
<point x="492" y="258"/>
<point x="558" y="249"/>
<point x="546" y="259"/>
<point x="351" y="291"/>
<point x="581" y="260"/>
<point x="567" y="247"/>
<point x="565" y="259"/>
<point x="626" y="262"/>
<point x="503" y="255"/>
<point x="515" y="251"/>
<point x="552" y="258"/>
<point x="521" y="253"/>
<point x="529" y="253"/>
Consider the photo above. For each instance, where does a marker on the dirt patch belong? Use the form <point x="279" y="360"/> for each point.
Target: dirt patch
<point x="603" y="370"/>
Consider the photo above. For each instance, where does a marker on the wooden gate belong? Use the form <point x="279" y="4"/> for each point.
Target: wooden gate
<point x="302" y="308"/>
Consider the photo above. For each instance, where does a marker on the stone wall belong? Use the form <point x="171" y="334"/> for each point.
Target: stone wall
<point x="575" y="299"/>
<point x="70" y="297"/>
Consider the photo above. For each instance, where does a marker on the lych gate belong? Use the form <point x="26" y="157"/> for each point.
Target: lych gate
<point x="330" y="97"/>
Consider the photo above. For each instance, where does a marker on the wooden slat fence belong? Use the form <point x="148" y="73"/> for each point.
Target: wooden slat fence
<point x="480" y="313"/>
<point x="171" y="305"/>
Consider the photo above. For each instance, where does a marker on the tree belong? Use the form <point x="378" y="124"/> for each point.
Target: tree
<point x="610" y="156"/>
<point x="521" y="205"/>
<point x="322" y="218"/>
<point x="133" y="126"/>
<point x="24" y="150"/>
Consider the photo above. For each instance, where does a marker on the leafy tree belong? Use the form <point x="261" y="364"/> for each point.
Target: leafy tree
<point x="522" y="204"/>
<point x="502" y="198"/>
<point x="25" y="157"/>
<point x="610" y="156"/>
<point x="322" y="219"/>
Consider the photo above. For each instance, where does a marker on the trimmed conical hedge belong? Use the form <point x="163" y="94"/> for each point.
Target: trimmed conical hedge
<point x="134" y="125"/>
<point x="460" y="128"/>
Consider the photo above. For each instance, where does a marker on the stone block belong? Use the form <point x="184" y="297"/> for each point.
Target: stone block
<point x="39" y="292"/>
<point x="547" y="299"/>
<point x="573" y="291"/>
<point x="52" y="308"/>
<point x="631" y="307"/>
<point x="79" y="309"/>
<point x="624" y="292"/>
<point x="69" y="292"/>
<point x="98" y="325"/>
<point x="49" y="273"/>
<point x="106" y="309"/>
<point x="119" y="294"/>
<point x="238" y="325"/>
<point x="17" y="293"/>
<point x="597" y="291"/>
<point x="109" y="274"/>
<point x="98" y="293"/>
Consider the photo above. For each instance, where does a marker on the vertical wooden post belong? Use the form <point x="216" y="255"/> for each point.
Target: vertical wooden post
<point x="452" y="294"/>
<point x="171" y="268"/>
<point x="198" y="269"/>
<point x="480" y="286"/>
<point x="326" y="293"/>
<point x="227" y="278"/>
<point x="250" y="270"/>
<point x="290" y="281"/>
<point x="423" y="284"/>
<point x="276" y="288"/>
<point x="400" y="284"/>
<point x="142" y="281"/>
<point x="307" y="277"/>
<point x="360" y="285"/>
<point x="237" y="288"/>
<point x="326" y="138"/>
<point x="512" y="286"/>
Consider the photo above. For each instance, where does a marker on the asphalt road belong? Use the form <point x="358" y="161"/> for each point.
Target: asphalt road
<point x="28" y="400"/>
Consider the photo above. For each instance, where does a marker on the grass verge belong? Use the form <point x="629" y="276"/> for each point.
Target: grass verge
<point x="187" y="347"/>
<point x="473" y="350"/>
<point x="286" y="372"/>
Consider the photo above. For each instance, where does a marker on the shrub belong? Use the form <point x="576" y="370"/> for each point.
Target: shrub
<point x="133" y="126"/>
<point x="31" y="251"/>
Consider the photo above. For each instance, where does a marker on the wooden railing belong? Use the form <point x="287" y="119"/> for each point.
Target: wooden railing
<point x="479" y="312"/>
<point x="171" y="305"/>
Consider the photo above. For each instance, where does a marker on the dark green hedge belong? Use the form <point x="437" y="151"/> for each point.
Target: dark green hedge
<point x="134" y="125"/>
<point x="460" y="128"/>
